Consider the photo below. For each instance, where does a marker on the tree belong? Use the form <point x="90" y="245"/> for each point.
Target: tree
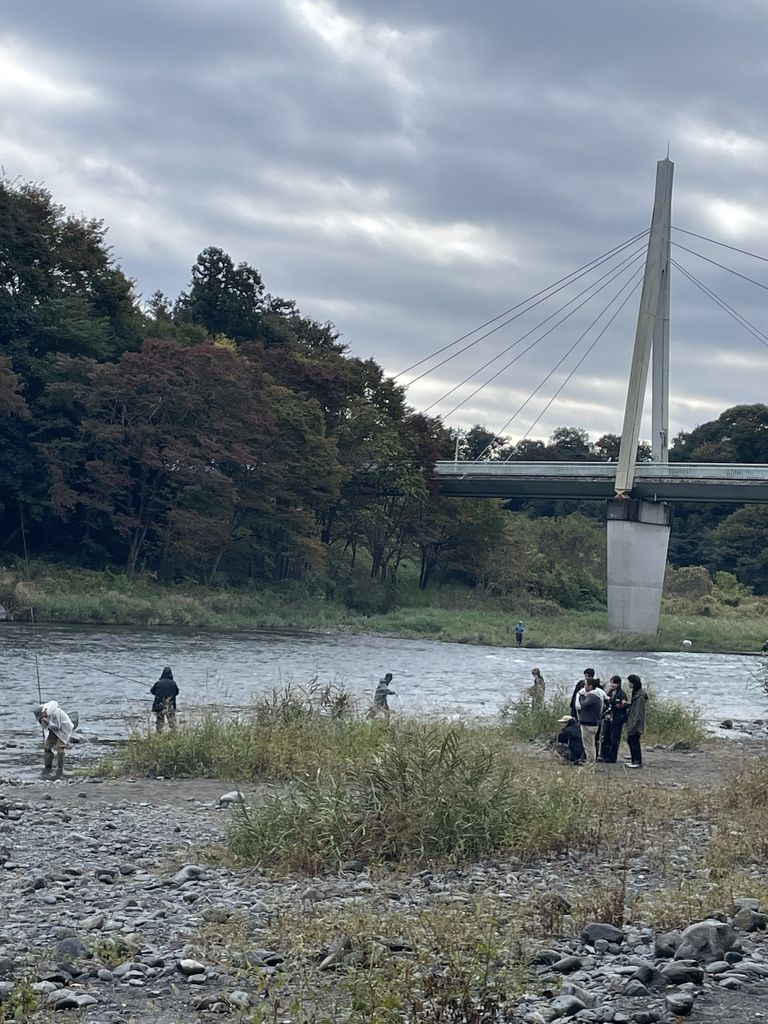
<point x="571" y="444"/>
<point x="740" y="434"/>
<point x="456" y="538"/>
<point x="478" y="442"/>
<point x="738" y="545"/>
<point x="60" y="290"/>
<point x="11" y="400"/>
<point x="223" y="298"/>
<point x="160" y="429"/>
<point x="607" y="448"/>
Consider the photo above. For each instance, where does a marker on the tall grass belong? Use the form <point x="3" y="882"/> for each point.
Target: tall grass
<point x="667" y="721"/>
<point x="283" y="735"/>
<point x="429" y="795"/>
<point x="524" y="720"/>
<point x="307" y="733"/>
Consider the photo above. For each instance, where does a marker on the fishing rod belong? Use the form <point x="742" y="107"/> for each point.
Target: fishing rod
<point x="37" y="665"/>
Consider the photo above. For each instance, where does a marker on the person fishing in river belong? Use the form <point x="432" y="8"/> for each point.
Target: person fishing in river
<point x="57" y="732"/>
<point x="165" y="691"/>
<point x="380" y="705"/>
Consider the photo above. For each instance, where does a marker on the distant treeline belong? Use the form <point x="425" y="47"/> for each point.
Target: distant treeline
<point x="224" y="437"/>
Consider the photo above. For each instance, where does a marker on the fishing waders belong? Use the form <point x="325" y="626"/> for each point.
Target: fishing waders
<point x="58" y="746"/>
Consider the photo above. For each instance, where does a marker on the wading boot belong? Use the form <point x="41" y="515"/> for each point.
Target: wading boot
<point x="59" y="764"/>
<point x="47" y="763"/>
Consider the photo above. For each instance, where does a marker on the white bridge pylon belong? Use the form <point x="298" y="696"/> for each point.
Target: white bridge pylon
<point x="638" y="530"/>
<point x="651" y="336"/>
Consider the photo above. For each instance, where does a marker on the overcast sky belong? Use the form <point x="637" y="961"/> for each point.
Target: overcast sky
<point x="410" y="169"/>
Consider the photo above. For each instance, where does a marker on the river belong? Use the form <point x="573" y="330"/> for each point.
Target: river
<point x="105" y="673"/>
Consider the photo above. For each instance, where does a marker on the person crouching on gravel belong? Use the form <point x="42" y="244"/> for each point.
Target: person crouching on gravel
<point x="58" y="727"/>
<point x="165" y="691"/>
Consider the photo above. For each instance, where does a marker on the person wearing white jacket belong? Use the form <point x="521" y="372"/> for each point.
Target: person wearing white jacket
<point x="58" y="728"/>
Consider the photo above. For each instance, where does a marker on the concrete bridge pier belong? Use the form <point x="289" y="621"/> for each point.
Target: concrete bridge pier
<point x="638" y="537"/>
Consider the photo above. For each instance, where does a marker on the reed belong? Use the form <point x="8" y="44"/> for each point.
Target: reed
<point x="429" y="795"/>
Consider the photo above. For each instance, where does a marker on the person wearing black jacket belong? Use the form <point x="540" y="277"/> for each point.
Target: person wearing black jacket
<point x="165" y="691"/>
<point x="616" y="716"/>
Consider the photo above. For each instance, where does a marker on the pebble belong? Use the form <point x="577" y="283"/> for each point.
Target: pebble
<point x="191" y="967"/>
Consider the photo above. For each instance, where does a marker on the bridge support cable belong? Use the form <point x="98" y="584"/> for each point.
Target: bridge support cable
<point x="722" y="266"/>
<point x="741" y="320"/>
<point x="542" y="295"/>
<point x="527" y="305"/>
<point x="590" y="292"/>
<point x="723" y="245"/>
<point x="634" y="279"/>
<point x="578" y="365"/>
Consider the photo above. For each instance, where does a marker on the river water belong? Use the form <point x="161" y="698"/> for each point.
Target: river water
<point x="105" y="674"/>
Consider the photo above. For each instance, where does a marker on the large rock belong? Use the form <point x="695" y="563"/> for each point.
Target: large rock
<point x="567" y="964"/>
<point x="666" y="943"/>
<point x="596" y="931"/>
<point x="567" y="1006"/>
<point x="189" y="967"/>
<point x="189" y="873"/>
<point x="679" y="1003"/>
<point x="71" y="949"/>
<point x="706" y="941"/>
<point x="653" y="980"/>
<point x="679" y="974"/>
<point x="749" y="920"/>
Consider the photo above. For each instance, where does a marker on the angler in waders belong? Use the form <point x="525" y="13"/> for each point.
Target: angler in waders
<point x="58" y="728"/>
<point x="165" y="691"/>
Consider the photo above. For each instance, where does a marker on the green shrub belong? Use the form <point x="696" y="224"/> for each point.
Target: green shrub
<point x="526" y="721"/>
<point x="285" y="733"/>
<point x="669" y="721"/>
<point x="430" y="794"/>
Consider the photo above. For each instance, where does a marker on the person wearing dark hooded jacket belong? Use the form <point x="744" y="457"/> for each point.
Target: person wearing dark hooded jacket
<point x="613" y="723"/>
<point x="636" y="721"/>
<point x="165" y="691"/>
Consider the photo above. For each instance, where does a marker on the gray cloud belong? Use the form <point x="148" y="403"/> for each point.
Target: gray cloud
<point x="410" y="169"/>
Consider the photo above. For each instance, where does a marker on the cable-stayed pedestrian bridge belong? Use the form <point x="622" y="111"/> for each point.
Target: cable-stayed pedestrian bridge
<point x="638" y="494"/>
<point x="654" y="481"/>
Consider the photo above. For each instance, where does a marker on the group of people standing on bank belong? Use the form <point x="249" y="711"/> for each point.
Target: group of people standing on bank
<point x="598" y="719"/>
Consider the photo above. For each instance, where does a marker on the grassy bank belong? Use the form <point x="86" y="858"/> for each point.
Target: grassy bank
<point x="450" y="614"/>
<point x="467" y="953"/>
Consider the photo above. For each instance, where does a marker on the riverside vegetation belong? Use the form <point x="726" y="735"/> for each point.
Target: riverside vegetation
<point x="412" y="790"/>
<point x="715" y="617"/>
<point x="417" y="869"/>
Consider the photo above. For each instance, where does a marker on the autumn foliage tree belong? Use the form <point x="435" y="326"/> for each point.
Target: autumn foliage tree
<point x="174" y="443"/>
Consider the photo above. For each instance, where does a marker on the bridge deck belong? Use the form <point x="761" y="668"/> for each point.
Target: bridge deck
<point x="674" y="481"/>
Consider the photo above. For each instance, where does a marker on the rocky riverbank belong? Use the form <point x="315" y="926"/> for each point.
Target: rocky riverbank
<point x="116" y="908"/>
